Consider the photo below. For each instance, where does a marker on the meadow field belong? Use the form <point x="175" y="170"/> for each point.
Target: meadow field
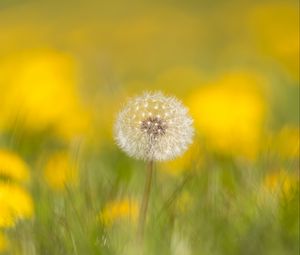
<point x="67" y="68"/>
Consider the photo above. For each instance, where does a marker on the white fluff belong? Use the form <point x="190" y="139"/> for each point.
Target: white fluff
<point x="154" y="127"/>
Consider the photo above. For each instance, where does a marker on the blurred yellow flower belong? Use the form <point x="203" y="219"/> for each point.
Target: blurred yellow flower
<point x="3" y="242"/>
<point x="13" y="167"/>
<point x="126" y="209"/>
<point x="60" y="171"/>
<point x="41" y="89"/>
<point x="15" y="204"/>
<point x="6" y="217"/>
<point x="280" y="181"/>
<point x="229" y="114"/>
<point x="276" y="27"/>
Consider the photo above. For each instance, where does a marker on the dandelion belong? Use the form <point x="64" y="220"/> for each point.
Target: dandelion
<point x="60" y="171"/>
<point x="13" y="167"/>
<point x="126" y="209"/>
<point x="233" y="104"/>
<point x="6" y="217"/>
<point x="15" y="204"/>
<point x="153" y="127"/>
<point x="280" y="181"/>
<point x="43" y="77"/>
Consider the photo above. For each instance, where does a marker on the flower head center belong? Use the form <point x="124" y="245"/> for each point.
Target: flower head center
<point x="154" y="126"/>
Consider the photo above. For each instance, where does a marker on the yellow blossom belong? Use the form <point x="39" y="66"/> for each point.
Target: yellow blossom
<point x="42" y="92"/>
<point x="229" y="114"/>
<point x="280" y="181"/>
<point x="12" y="166"/>
<point x="60" y="171"/>
<point x="120" y="210"/>
<point x="15" y="204"/>
<point x="6" y="217"/>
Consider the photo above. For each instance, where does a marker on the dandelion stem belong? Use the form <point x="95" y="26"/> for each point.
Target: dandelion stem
<point x="145" y="201"/>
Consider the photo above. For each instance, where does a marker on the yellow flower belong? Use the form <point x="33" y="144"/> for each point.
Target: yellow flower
<point x="229" y="114"/>
<point x="3" y="243"/>
<point x="60" y="171"/>
<point x="41" y="89"/>
<point x="120" y="210"/>
<point x="15" y="204"/>
<point x="6" y="217"/>
<point x="13" y="167"/>
<point x="280" y="181"/>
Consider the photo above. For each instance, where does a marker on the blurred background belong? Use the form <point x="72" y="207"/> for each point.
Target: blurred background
<point x="66" y="69"/>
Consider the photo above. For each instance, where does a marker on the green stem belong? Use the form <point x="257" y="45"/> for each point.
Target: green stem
<point x="145" y="201"/>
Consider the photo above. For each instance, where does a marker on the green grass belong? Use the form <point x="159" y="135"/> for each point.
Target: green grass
<point x="227" y="213"/>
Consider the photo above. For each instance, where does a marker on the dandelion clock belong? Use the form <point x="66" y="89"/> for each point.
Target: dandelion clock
<point x="153" y="127"/>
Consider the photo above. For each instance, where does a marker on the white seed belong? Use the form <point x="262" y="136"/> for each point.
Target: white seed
<point x="162" y="139"/>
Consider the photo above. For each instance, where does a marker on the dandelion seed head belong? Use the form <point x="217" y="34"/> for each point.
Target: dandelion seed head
<point x="154" y="127"/>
